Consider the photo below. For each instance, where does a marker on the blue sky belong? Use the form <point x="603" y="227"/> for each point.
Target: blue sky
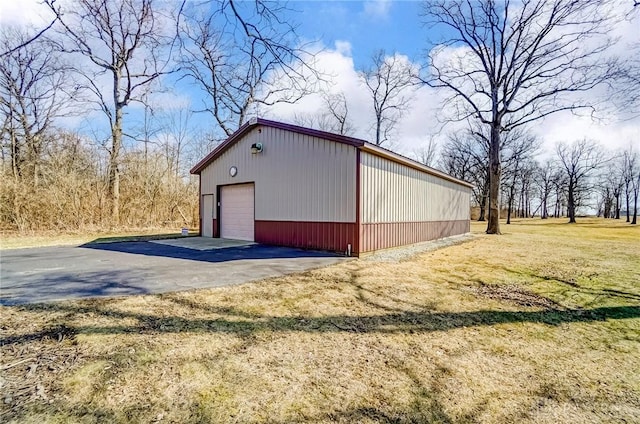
<point x="348" y="32"/>
<point x="367" y="25"/>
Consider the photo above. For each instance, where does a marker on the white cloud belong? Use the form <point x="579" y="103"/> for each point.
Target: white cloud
<point x="614" y="129"/>
<point x="421" y="121"/>
<point x="377" y="9"/>
<point x="24" y="13"/>
<point x="613" y="134"/>
<point x="414" y="129"/>
<point x="343" y="47"/>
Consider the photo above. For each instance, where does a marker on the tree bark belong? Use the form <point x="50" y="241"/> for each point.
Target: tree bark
<point x="571" y="206"/>
<point x="627" y="200"/>
<point x="495" y="171"/>
<point x="510" y="201"/>
<point x="483" y="203"/>
<point x="114" y="163"/>
<point x="16" y="156"/>
<point x="635" y="211"/>
<point x="607" y="207"/>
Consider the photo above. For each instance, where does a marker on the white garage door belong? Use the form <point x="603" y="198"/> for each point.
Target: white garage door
<point x="236" y="212"/>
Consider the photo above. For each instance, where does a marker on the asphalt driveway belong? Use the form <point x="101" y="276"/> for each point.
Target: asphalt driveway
<point x="131" y="268"/>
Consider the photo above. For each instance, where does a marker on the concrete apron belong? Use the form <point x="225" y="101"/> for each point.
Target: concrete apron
<point x="203" y="243"/>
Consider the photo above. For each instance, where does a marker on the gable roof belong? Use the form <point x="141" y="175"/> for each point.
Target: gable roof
<point x="355" y="142"/>
<point x="255" y="122"/>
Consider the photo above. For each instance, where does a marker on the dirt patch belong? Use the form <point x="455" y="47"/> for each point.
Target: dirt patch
<point x="516" y="295"/>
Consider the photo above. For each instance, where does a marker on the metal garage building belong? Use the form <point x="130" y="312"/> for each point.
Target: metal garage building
<point x="280" y="184"/>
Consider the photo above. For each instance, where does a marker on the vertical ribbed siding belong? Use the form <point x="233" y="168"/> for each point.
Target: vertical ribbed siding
<point x="402" y="205"/>
<point x="297" y="177"/>
<point x="393" y="192"/>
<point x="393" y="234"/>
<point x="334" y="236"/>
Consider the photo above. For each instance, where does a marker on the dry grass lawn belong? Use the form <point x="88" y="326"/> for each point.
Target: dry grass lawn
<point x="540" y="325"/>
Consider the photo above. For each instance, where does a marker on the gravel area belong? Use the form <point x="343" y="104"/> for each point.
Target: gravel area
<point x="397" y="254"/>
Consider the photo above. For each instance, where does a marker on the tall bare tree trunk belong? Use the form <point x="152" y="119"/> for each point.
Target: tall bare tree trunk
<point x="627" y="201"/>
<point x="16" y="154"/>
<point x="495" y="171"/>
<point x="512" y="190"/>
<point x="114" y="163"/>
<point x="636" y="190"/>
<point x="483" y="203"/>
<point x="571" y="205"/>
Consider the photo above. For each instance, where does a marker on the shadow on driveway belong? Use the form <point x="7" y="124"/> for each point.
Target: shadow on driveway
<point x="134" y="268"/>
<point x="252" y="251"/>
<point x="60" y="286"/>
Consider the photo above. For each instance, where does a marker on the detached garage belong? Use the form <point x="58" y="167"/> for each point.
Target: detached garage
<point x="280" y="184"/>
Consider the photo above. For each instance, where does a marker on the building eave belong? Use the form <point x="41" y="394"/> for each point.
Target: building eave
<point x="256" y="122"/>
<point x="355" y="142"/>
<point x="395" y="157"/>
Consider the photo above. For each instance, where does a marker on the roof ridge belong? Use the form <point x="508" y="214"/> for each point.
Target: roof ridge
<point x="338" y="138"/>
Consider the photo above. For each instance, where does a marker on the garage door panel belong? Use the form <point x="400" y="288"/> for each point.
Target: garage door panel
<point x="237" y="212"/>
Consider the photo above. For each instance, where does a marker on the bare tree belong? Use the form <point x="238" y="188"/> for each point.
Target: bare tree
<point x="388" y="80"/>
<point x="11" y="47"/>
<point x="626" y="87"/>
<point x="631" y="181"/>
<point x="242" y="56"/>
<point x="471" y="150"/>
<point x="176" y="137"/>
<point x="517" y="151"/>
<point x="527" y="191"/>
<point x="629" y="164"/>
<point x="464" y="157"/>
<point x="123" y="44"/>
<point x="427" y="154"/>
<point x="579" y="160"/>
<point x="308" y="120"/>
<point x="605" y="202"/>
<point x="507" y="64"/>
<point x="635" y="184"/>
<point x="610" y="186"/>
<point x="35" y="88"/>
<point x="560" y="190"/>
<point x="337" y="114"/>
<point x="332" y="116"/>
<point x="543" y="179"/>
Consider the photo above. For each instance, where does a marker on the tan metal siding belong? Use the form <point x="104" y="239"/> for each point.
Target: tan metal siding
<point x="297" y="177"/>
<point x="393" y="192"/>
<point x="207" y="215"/>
